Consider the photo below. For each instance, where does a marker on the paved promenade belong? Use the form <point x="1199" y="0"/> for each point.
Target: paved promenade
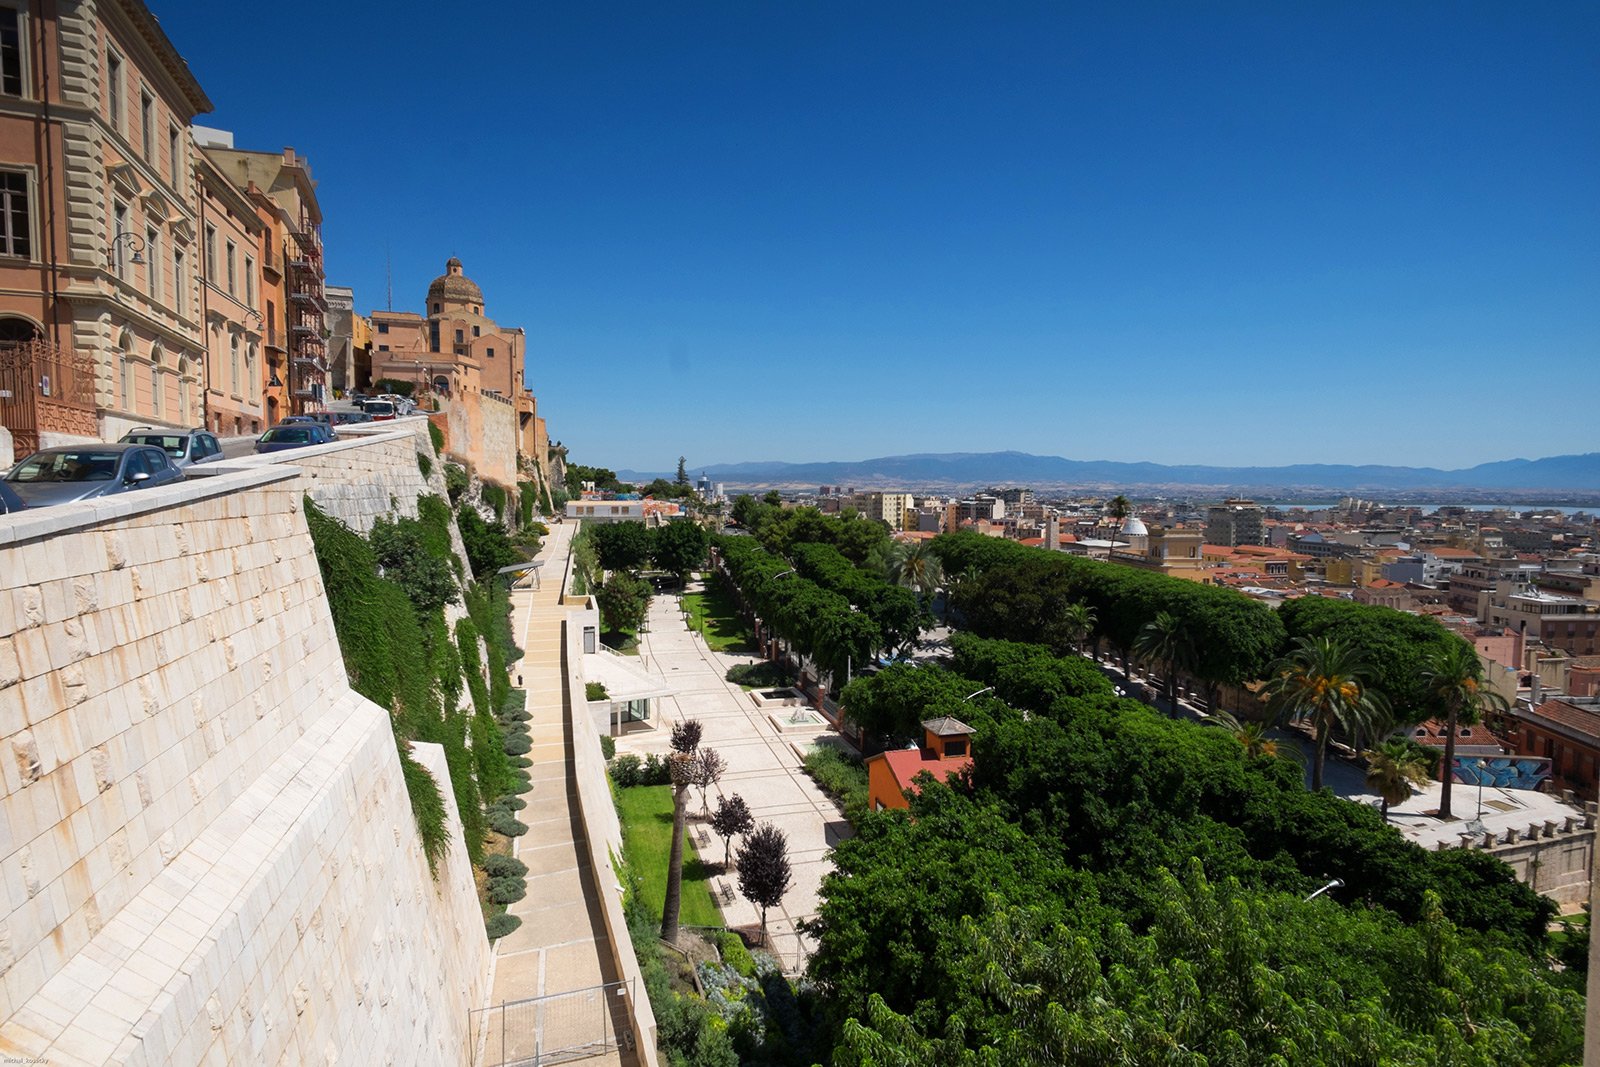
<point x="763" y="767"/>
<point x="561" y="944"/>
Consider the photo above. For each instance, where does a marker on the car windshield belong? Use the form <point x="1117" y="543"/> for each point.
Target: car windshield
<point x="168" y="443"/>
<point x="380" y="407"/>
<point x="287" y="434"/>
<point x="74" y="466"/>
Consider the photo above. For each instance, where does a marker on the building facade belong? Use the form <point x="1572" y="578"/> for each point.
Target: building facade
<point x="231" y="234"/>
<point x="100" y="319"/>
<point x="474" y="369"/>
<point x="1235" y="522"/>
<point x="295" y="327"/>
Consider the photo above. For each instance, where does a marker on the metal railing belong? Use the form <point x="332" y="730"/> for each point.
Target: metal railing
<point x="556" y="1028"/>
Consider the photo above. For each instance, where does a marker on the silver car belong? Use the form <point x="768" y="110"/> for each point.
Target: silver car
<point x="82" y="472"/>
<point x="183" y="447"/>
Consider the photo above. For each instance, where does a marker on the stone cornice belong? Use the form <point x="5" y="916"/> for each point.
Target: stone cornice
<point x="172" y="63"/>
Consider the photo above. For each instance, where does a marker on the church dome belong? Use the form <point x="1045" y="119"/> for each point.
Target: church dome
<point x="454" y="287"/>
<point x="1134" y="527"/>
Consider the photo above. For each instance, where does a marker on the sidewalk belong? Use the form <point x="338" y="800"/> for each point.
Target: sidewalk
<point x="561" y="944"/>
<point x="763" y="767"/>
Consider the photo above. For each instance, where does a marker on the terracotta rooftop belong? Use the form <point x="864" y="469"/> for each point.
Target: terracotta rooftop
<point x="1581" y="719"/>
<point x="906" y="763"/>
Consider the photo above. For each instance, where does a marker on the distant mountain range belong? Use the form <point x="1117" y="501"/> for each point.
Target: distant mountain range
<point x="1572" y="474"/>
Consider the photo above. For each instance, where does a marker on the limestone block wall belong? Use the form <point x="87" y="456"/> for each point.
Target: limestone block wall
<point x="206" y="851"/>
<point x="481" y="431"/>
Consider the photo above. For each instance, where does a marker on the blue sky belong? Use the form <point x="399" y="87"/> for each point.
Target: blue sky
<point x="1221" y="233"/>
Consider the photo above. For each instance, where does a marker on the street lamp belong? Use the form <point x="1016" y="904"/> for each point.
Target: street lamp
<point x="135" y="244"/>
<point x="1337" y="883"/>
<point x="1476" y="825"/>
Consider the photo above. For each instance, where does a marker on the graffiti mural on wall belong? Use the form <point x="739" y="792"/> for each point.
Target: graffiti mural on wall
<point x="1502" y="772"/>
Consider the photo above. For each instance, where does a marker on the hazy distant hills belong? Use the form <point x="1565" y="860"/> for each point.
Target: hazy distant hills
<point x="1579" y="473"/>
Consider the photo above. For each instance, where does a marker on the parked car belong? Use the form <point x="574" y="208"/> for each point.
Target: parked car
<point x="10" y="502"/>
<point x="82" y="472"/>
<point x="342" y="418"/>
<point x="380" y="410"/>
<point x="183" y="447"/>
<point x="288" y="434"/>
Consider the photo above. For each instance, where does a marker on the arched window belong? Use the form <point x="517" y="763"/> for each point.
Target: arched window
<point x="15" y="331"/>
<point x="125" y="369"/>
<point x="184" y="415"/>
<point x="233" y="358"/>
<point x="155" y="379"/>
<point x="250" y="368"/>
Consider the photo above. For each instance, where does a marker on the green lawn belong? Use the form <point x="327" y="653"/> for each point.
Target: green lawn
<point x="714" y="615"/>
<point x="646" y="812"/>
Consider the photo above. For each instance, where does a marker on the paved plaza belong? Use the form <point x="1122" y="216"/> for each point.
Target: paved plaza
<point x="763" y="768"/>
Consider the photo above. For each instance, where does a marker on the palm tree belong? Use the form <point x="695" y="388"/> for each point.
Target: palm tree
<point x="1119" y="507"/>
<point x="1453" y="679"/>
<point x="1321" y="681"/>
<point x="1165" y="640"/>
<point x="1076" y="623"/>
<point x="1392" y="768"/>
<point x="917" y="568"/>
<point x="682" y="765"/>
<point x="1252" y="735"/>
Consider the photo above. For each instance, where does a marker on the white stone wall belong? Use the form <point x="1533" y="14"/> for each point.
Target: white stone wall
<point x="206" y="851"/>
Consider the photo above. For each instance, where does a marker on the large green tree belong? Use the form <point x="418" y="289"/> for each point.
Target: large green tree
<point x="622" y="546"/>
<point x="680" y="547"/>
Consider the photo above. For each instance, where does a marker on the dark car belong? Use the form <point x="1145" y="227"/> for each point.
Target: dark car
<point x="183" y="447"/>
<point x="83" y="472"/>
<point x="293" y="435"/>
<point x="10" y="502"/>
<point x="343" y="418"/>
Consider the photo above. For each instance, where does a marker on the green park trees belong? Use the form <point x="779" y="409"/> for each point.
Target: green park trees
<point x="623" y="601"/>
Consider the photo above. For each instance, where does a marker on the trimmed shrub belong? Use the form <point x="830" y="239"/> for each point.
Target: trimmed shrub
<point x="593" y="691"/>
<point x="506" y="825"/>
<point x="735" y="955"/>
<point x="656" y="771"/>
<point x="518" y="745"/>
<point x="501" y="925"/>
<point x="520" y="761"/>
<point x="608" y="746"/>
<point x="511" y="803"/>
<point x="625" y="771"/>
<point x="507" y="890"/>
<point x="761" y="675"/>
<point x="496" y="865"/>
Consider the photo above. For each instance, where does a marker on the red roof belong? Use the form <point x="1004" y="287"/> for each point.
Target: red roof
<point x="906" y="763"/>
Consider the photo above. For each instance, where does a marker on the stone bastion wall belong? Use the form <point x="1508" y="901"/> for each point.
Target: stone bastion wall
<point x="206" y="849"/>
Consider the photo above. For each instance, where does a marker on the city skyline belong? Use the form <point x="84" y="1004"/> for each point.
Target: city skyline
<point x="1146" y="235"/>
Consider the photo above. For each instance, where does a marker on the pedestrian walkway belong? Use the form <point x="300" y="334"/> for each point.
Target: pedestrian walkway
<point x="763" y="768"/>
<point x="562" y="943"/>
